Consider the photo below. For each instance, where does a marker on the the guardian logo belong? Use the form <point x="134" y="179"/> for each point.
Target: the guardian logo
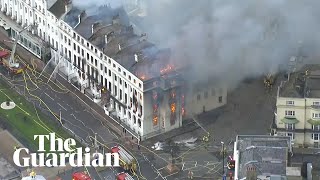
<point x="62" y="151"/>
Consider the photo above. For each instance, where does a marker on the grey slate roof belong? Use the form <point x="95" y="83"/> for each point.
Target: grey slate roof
<point x="58" y="8"/>
<point x="268" y="154"/>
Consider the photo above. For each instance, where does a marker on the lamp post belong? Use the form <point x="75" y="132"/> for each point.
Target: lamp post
<point x="222" y="151"/>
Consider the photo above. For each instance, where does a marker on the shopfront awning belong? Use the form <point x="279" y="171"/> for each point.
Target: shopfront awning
<point x="288" y="120"/>
<point x="314" y="122"/>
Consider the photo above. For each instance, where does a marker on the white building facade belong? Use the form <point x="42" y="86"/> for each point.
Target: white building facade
<point x="298" y="109"/>
<point x="86" y="66"/>
<point x="144" y="107"/>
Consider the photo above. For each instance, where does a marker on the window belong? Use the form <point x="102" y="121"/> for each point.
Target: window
<point x="129" y="77"/>
<point x="134" y="120"/>
<point x="114" y="65"/>
<point x="101" y="67"/>
<point x="316" y="103"/>
<point x="115" y="78"/>
<point x="316" y="115"/>
<point x="115" y="91"/>
<point x="120" y="81"/>
<point x="139" y="85"/>
<point x="205" y="94"/>
<point x="316" y="127"/>
<point x="198" y="97"/>
<point x="290" y="113"/>
<point x="124" y="73"/>
<point x="290" y="103"/>
<point x="120" y="94"/>
<point x="125" y="84"/>
<point x="105" y="70"/>
<point x="109" y="72"/>
<point x="291" y="135"/>
<point x="119" y="69"/>
<point x="315" y="137"/>
<point x="125" y="98"/>
<point x="220" y="99"/>
<point x="95" y="62"/>
<point x="139" y="123"/>
<point x="290" y="126"/>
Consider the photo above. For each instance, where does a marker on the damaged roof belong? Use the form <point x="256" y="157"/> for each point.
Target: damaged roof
<point x="110" y="30"/>
<point x="301" y="85"/>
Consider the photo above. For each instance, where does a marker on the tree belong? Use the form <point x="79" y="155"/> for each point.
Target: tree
<point x="8" y="102"/>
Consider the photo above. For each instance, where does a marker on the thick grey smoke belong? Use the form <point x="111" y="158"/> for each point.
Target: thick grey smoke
<point x="231" y="39"/>
<point x="234" y="39"/>
<point x="91" y="6"/>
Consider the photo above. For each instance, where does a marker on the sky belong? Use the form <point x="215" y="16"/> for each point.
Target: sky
<point x="230" y="39"/>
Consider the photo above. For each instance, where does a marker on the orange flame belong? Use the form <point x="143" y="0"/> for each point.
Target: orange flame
<point x="173" y="107"/>
<point x="142" y="77"/>
<point x="155" y="120"/>
<point x="167" y="69"/>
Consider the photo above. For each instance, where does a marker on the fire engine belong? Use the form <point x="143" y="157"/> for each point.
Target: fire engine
<point x="14" y="68"/>
<point x="80" y="176"/>
<point x="231" y="163"/>
<point x="127" y="162"/>
<point x="124" y="176"/>
<point x="9" y="61"/>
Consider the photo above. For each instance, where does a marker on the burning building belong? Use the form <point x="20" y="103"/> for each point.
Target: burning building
<point x="133" y="80"/>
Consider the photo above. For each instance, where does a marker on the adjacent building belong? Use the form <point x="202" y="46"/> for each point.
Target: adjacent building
<point x="298" y="107"/>
<point x="130" y="78"/>
<point x="261" y="157"/>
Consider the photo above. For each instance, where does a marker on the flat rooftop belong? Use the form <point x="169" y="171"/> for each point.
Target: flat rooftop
<point x="268" y="154"/>
<point x="304" y="83"/>
<point x="110" y="31"/>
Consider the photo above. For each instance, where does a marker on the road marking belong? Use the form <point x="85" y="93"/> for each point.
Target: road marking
<point x="62" y="107"/>
<point x="49" y="96"/>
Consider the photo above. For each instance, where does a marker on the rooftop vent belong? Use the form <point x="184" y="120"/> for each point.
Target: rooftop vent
<point x="136" y="58"/>
<point x="119" y="45"/>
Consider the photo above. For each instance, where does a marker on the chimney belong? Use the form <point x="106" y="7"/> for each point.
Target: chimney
<point x="66" y="8"/>
<point x="251" y="173"/>
<point x="119" y="47"/>
<point x="136" y="57"/>
<point x="106" y="38"/>
<point x="79" y="18"/>
<point x="92" y="28"/>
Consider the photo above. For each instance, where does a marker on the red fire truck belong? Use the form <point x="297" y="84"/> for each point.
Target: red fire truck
<point x="80" y="176"/>
<point x="127" y="161"/>
<point x="124" y="176"/>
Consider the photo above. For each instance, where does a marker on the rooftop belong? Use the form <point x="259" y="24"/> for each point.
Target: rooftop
<point x="57" y="7"/>
<point x="304" y="83"/>
<point x="110" y="30"/>
<point x="268" y="154"/>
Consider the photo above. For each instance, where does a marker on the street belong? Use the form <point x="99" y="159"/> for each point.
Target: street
<point x="249" y="111"/>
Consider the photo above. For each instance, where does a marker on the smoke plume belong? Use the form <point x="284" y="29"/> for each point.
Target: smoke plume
<point x="232" y="39"/>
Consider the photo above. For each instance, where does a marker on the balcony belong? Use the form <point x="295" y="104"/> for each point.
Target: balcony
<point x="290" y="120"/>
<point x="314" y="122"/>
<point x="317" y="107"/>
